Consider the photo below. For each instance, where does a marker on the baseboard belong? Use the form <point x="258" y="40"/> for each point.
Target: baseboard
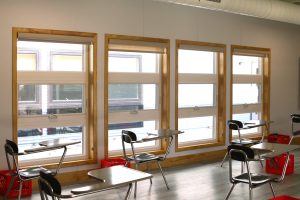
<point x="69" y="178"/>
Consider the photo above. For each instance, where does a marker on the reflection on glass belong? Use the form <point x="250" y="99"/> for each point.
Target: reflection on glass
<point x="28" y="93"/>
<point x="126" y="97"/>
<point x="200" y="62"/>
<point x="53" y="99"/>
<point x="196" y="129"/>
<point x="26" y="62"/>
<point x="30" y="138"/>
<point x="191" y="95"/>
<point x="250" y="65"/>
<point x="139" y="128"/>
<point x="133" y="62"/>
<point x="52" y="56"/>
<point x="246" y="93"/>
<point x="67" y="62"/>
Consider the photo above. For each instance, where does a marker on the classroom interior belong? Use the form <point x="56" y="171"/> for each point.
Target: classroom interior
<point x="88" y="70"/>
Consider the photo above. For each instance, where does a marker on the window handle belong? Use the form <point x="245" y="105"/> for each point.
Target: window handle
<point x="52" y="116"/>
<point x="196" y="108"/>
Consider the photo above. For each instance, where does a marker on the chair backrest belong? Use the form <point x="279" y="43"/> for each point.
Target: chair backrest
<point x="240" y="153"/>
<point x="11" y="152"/>
<point x="234" y="124"/>
<point x="48" y="185"/>
<point x="295" y="118"/>
<point x="128" y="137"/>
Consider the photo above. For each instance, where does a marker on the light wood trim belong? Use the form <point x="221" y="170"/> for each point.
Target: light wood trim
<point x="221" y="96"/>
<point x="165" y="85"/>
<point x="69" y="178"/>
<point x="266" y="82"/>
<point x="92" y="93"/>
<point x="14" y="86"/>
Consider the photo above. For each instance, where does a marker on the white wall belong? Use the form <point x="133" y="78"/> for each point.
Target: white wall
<point x="153" y="19"/>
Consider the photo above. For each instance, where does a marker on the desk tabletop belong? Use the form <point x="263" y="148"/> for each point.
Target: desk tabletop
<point x="254" y="124"/>
<point x="59" y="142"/>
<point x="118" y="175"/>
<point x="159" y="134"/>
<point x="52" y="145"/>
<point x="274" y="149"/>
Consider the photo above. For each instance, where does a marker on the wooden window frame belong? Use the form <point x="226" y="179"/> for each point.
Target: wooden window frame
<point x="91" y="74"/>
<point x="164" y="79"/>
<point x="220" y="96"/>
<point x="265" y="54"/>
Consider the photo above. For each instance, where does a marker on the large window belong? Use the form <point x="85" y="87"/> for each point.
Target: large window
<point x="54" y="90"/>
<point x="136" y="90"/>
<point x="250" y="86"/>
<point x="200" y="94"/>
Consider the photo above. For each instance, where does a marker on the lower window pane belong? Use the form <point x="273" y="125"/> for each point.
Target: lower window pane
<point x="30" y="138"/>
<point x="196" y="129"/>
<point x="139" y="128"/>
<point x="244" y="117"/>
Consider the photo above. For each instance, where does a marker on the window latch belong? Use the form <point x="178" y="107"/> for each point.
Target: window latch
<point x="52" y="116"/>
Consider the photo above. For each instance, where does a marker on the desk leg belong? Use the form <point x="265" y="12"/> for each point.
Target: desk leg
<point x="168" y="147"/>
<point x="284" y="168"/>
<point x="61" y="160"/>
<point x="128" y="191"/>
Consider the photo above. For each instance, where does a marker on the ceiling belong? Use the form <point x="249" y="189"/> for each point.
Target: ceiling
<point x="287" y="11"/>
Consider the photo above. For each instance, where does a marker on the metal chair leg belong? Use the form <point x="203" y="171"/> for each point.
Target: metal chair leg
<point x="229" y="193"/>
<point x="250" y="193"/>
<point x="135" y="189"/>
<point x="262" y="165"/>
<point x="162" y="173"/>
<point x="20" y="189"/>
<point x="224" y="159"/>
<point x="272" y="189"/>
<point x="9" y="186"/>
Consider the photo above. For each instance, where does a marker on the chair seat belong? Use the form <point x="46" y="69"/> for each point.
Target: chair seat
<point x="244" y="142"/>
<point x="145" y="157"/>
<point x="257" y="179"/>
<point x="33" y="172"/>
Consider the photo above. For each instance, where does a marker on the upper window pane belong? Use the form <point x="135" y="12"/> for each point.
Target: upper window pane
<point x="66" y="63"/>
<point x="52" y="56"/>
<point x="133" y="62"/>
<point x="246" y="93"/>
<point x="191" y="95"/>
<point x="250" y="65"/>
<point x="27" y="61"/>
<point x="191" y="61"/>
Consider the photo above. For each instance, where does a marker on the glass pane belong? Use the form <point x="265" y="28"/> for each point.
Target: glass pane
<point x="52" y="56"/>
<point x="28" y="93"/>
<point x="246" y="93"/>
<point x="67" y="92"/>
<point x="191" y="61"/>
<point x="67" y="63"/>
<point x="196" y="129"/>
<point x="244" y="117"/>
<point x="139" y="128"/>
<point x="133" y="62"/>
<point x="125" y="97"/>
<point x="191" y="95"/>
<point x="250" y="65"/>
<point x="26" y="61"/>
<point x="53" y="99"/>
<point x="30" y="138"/>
